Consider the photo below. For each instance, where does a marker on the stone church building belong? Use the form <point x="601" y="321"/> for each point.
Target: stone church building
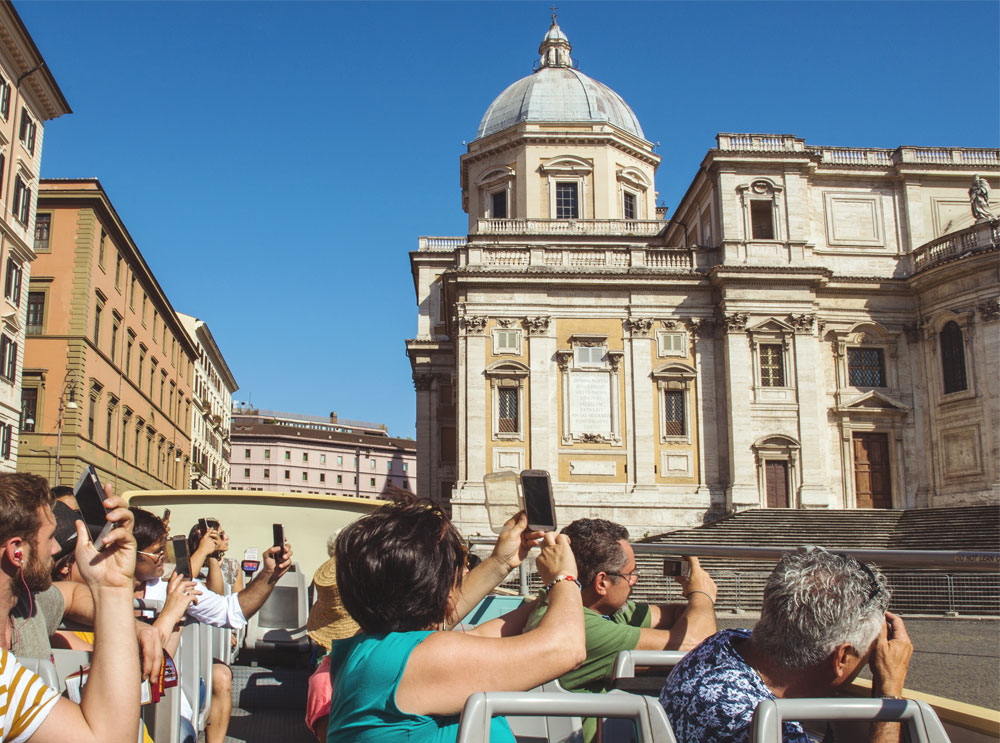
<point x="814" y="327"/>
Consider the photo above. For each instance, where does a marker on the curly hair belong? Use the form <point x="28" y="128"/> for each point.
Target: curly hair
<point x="595" y="544"/>
<point x="21" y="495"/>
<point x="396" y="567"/>
<point x="816" y="601"/>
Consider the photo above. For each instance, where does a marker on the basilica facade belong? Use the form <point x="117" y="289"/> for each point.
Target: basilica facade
<point x="814" y="327"/>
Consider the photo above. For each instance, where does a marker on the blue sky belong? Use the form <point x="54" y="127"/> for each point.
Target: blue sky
<point x="276" y="162"/>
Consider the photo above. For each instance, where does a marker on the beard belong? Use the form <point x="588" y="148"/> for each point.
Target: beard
<point x="36" y="575"/>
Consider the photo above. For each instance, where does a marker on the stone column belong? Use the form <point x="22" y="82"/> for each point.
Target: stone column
<point x="707" y="442"/>
<point x="641" y="439"/>
<point x="814" y="492"/>
<point x="543" y="413"/>
<point x="427" y="483"/>
<point x="742" y="490"/>
<point x="476" y="401"/>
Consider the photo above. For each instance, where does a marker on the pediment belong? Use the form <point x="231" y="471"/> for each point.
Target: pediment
<point x="771" y="325"/>
<point x="495" y="174"/>
<point x="875" y="401"/>
<point x="674" y="370"/>
<point x="567" y="164"/>
<point x="507" y="368"/>
<point x="11" y="322"/>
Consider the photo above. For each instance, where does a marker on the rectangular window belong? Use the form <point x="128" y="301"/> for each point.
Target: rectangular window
<point x="674" y="413"/>
<point x="156" y="324"/>
<point x="4" y="99"/>
<point x="322" y="458"/>
<point x="267" y="454"/>
<point x="12" y="282"/>
<point x="129" y="342"/>
<point x="340" y="479"/>
<point x="373" y="482"/>
<point x="567" y="203"/>
<point x="27" y="133"/>
<point x="305" y="477"/>
<point x="288" y="474"/>
<point x="91" y="412"/>
<point x="322" y="477"/>
<point x="772" y="365"/>
<point x="672" y="344"/>
<point x="109" y="427"/>
<point x="144" y="302"/>
<point x="507" y="341"/>
<point x="591" y="356"/>
<point x="404" y="466"/>
<point x="115" y="327"/>
<point x="246" y="454"/>
<point x="20" y="205"/>
<point x="8" y="359"/>
<point x="131" y="286"/>
<point x="36" y="313"/>
<point x="29" y="408"/>
<point x="762" y="220"/>
<point x="507" y="413"/>
<point x="267" y="473"/>
<point x="498" y="205"/>
<point x="142" y="363"/>
<point x="98" y="309"/>
<point x="288" y="456"/>
<point x="340" y="460"/>
<point x="118" y="271"/>
<point x="388" y="465"/>
<point x="246" y="472"/>
<point x="305" y="456"/>
<point x="6" y="435"/>
<point x="372" y="464"/>
<point x="866" y="367"/>
<point x="628" y="205"/>
<point x="43" y="225"/>
<point x="101" y="247"/>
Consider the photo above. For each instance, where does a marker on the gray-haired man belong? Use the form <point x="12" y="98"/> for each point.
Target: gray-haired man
<point x="823" y="617"/>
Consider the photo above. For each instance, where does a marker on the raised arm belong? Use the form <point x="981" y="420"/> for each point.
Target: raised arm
<point x="272" y="568"/>
<point x="447" y="667"/>
<point x="206" y="546"/>
<point x="683" y="626"/>
<point x="889" y="662"/>
<point x="109" y="712"/>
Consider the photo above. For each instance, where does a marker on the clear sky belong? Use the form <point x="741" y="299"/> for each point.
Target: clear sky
<point x="276" y="161"/>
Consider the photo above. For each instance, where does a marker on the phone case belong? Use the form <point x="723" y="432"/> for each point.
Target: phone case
<point x="503" y="498"/>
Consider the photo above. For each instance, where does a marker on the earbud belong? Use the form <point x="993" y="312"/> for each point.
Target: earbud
<point x="18" y="556"/>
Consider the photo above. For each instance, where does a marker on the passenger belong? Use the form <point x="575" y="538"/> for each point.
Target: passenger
<point x="401" y="574"/>
<point x="613" y="621"/>
<point x="29" y="710"/>
<point x="209" y="608"/>
<point x="37" y="605"/>
<point x="823" y="617"/>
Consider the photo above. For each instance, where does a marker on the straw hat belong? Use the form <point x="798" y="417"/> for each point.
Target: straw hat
<point x="328" y="619"/>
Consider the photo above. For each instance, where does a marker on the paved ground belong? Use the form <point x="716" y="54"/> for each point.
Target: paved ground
<point x="954" y="658"/>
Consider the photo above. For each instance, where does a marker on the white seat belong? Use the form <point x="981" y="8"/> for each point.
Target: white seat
<point x="647" y="714"/>
<point x="924" y="726"/>
<point x="627" y="660"/>
<point x="281" y="622"/>
<point x="45" y="670"/>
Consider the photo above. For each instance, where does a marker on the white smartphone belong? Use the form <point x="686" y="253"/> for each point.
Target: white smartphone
<point x="503" y="498"/>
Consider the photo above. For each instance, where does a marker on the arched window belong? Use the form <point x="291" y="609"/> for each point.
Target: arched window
<point x="953" y="358"/>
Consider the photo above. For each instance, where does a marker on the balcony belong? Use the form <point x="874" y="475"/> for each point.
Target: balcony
<point x="515" y="258"/>
<point x="975" y="239"/>
<point x="596" y="227"/>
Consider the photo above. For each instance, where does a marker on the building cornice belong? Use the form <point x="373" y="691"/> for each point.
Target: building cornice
<point x="24" y="55"/>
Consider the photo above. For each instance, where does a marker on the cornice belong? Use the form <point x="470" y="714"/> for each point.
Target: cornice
<point x="26" y="57"/>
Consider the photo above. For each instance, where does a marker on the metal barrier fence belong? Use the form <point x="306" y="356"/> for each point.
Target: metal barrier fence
<point x="741" y="590"/>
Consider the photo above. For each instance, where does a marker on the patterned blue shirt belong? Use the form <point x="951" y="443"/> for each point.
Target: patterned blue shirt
<point x="710" y="696"/>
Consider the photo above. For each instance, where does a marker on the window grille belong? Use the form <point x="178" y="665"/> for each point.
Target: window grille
<point x="866" y="367"/>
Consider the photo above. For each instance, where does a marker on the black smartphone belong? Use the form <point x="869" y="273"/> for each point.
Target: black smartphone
<point x="204" y="525"/>
<point x="182" y="560"/>
<point x="674" y="567"/>
<point x="279" y="536"/>
<point x="166" y="515"/>
<point x="536" y="487"/>
<point x="89" y="494"/>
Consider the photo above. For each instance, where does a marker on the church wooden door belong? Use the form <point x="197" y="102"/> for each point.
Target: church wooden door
<point x="776" y="480"/>
<point x="872" y="483"/>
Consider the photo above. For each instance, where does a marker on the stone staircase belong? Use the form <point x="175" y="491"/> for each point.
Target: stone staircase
<point x="741" y="582"/>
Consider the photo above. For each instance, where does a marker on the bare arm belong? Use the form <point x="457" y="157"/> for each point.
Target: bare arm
<point x="255" y="594"/>
<point x="206" y="546"/>
<point x="889" y="662"/>
<point x="683" y="626"/>
<point x="214" y="582"/>
<point x="448" y="666"/>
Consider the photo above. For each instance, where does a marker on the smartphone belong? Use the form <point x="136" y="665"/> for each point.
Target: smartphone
<point x="279" y="535"/>
<point x="89" y="494"/>
<point x="182" y="560"/>
<point x="166" y="515"/>
<point x="536" y="489"/>
<point x="204" y="525"/>
<point x="674" y="567"/>
<point x="503" y="498"/>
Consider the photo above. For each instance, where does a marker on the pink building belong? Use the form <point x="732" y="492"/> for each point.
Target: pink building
<point x="287" y="452"/>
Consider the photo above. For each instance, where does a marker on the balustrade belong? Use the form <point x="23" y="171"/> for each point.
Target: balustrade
<point x="602" y="227"/>
<point x="978" y="237"/>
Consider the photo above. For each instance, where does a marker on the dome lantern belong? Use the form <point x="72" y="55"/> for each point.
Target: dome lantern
<point x="555" y="48"/>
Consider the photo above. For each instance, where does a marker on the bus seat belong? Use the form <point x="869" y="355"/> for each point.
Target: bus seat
<point x="646" y="712"/>
<point x="206" y="633"/>
<point x="920" y="719"/>
<point x="555" y="729"/>
<point x="627" y="660"/>
<point x="189" y="668"/>
<point x="281" y="622"/>
<point x="45" y="670"/>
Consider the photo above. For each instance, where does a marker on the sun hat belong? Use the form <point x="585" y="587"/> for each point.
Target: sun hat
<point x="328" y="619"/>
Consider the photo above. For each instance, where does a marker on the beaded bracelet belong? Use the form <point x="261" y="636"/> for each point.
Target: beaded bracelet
<point x="562" y="577"/>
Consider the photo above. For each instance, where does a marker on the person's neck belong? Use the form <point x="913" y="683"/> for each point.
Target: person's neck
<point x="783" y="682"/>
<point x="8" y="600"/>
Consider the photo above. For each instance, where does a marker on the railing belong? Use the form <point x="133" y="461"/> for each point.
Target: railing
<point x="581" y="258"/>
<point x="440" y="243"/>
<point x="601" y="227"/>
<point x="978" y="237"/>
<point x="843" y="156"/>
<point x="760" y="143"/>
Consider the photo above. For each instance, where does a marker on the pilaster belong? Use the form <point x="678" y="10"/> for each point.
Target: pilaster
<point x="543" y="429"/>
<point x="643" y="407"/>
<point x="813" y="427"/>
<point x="742" y="491"/>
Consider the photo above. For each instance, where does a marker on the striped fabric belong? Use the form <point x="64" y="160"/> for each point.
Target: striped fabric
<point x="25" y="701"/>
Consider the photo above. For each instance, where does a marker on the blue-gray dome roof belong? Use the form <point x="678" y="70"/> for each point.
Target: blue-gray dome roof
<point x="557" y="92"/>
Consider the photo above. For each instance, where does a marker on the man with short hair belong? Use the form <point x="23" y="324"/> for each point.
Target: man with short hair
<point x="823" y="618"/>
<point x="612" y="621"/>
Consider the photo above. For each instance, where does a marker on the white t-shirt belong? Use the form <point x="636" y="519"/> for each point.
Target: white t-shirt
<point x="211" y="609"/>
<point x="25" y="701"/>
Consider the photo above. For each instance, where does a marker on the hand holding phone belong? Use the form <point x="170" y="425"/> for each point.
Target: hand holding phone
<point x="536" y="487"/>
<point x="89" y="494"/>
<point x="279" y="538"/>
<point x="182" y="560"/>
<point x="676" y="567"/>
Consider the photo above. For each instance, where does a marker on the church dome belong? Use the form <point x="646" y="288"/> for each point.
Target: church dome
<point x="557" y="92"/>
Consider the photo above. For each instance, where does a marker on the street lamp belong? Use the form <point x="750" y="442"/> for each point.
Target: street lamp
<point x="64" y="405"/>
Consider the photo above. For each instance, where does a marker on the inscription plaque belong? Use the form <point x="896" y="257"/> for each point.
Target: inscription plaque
<point x="590" y="403"/>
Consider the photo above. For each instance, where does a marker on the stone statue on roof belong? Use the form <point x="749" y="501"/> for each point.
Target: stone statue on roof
<point x="979" y="196"/>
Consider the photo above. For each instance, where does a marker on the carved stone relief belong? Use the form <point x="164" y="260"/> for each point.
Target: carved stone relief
<point x="474" y="324"/>
<point x="537" y="325"/>
<point x="989" y="310"/>
<point x="639" y="326"/>
<point x="736" y="322"/>
<point x="802" y="323"/>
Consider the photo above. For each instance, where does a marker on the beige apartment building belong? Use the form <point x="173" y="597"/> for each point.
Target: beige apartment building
<point x="815" y="327"/>
<point x="298" y="453"/>
<point x="29" y="96"/>
<point x="213" y="386"/>
<point x="108" y="365"/>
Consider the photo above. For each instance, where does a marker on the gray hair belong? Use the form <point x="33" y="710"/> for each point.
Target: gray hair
<point x="816" y="601"/>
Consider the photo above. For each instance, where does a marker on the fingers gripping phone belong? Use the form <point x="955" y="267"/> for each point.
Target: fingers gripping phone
<point x="89" y="494"/>
<point x="536" y="487"/>
<point x="182" y="559"/>
<point x="674" y="567"/>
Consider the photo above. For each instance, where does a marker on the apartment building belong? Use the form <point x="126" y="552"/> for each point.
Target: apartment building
<point x="294" y="453"/>
<point x="213" y="385"/>
<point x="29" y="96"/>
<point x="107" y="362"/>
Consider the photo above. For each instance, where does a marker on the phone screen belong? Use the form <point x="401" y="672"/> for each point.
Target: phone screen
<point x="181" y="558"/>
<point x="89" y="496"/>
<point x="538" y="501"/>
<point x="279" y="535"/>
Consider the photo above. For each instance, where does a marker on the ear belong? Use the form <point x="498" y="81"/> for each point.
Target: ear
<point x="602" y="582"/>
<point x="14" y="551"/>
<point x="844" y="663"/>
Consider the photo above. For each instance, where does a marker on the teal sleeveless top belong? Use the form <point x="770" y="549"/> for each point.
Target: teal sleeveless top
<point x="365" y="671"/>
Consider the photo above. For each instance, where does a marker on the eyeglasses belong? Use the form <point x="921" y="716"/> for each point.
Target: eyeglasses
<point x="154" y="556"/>
<point x="632" y="576"/>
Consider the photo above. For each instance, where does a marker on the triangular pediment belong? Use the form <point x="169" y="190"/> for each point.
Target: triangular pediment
<point x="11" y="322"/>
<point x="875" y="401"/>
<point x="771" y="325"/>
